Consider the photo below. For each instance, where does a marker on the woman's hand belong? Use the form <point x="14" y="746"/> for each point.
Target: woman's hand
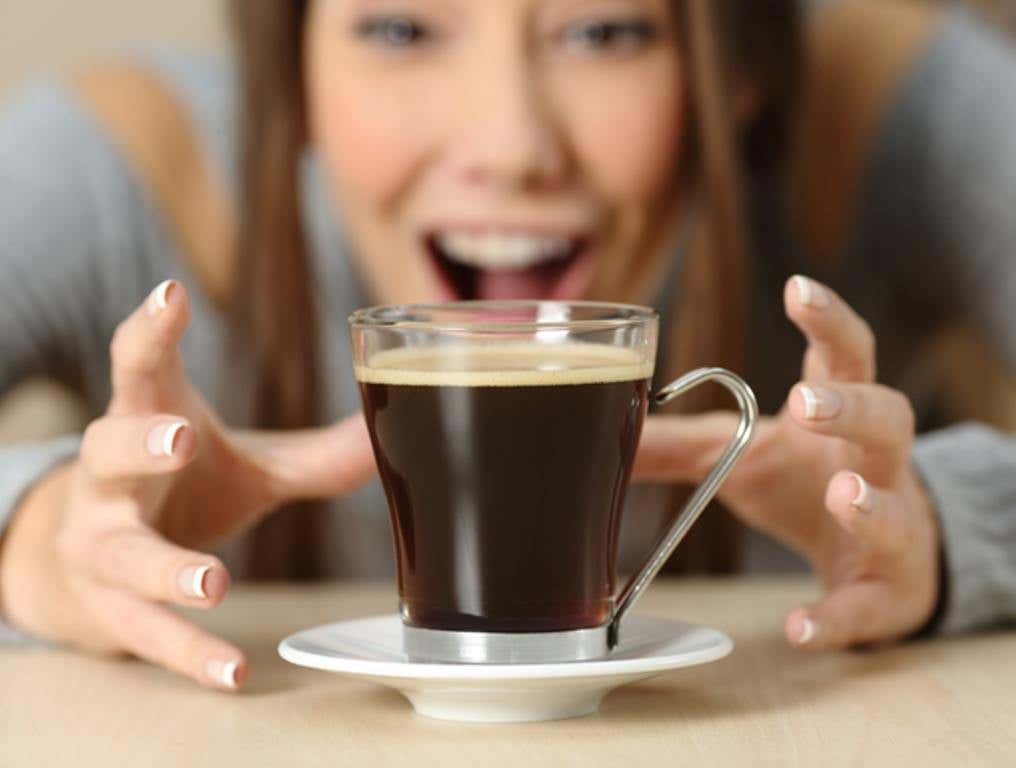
<point x="830" y="476"/>
<point x="99" y="550"/>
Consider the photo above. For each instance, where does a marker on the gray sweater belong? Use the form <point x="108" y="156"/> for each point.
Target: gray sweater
<point x="83" y="243"/>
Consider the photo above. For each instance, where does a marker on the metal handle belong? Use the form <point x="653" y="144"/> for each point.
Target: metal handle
<point x="703" y="494"/>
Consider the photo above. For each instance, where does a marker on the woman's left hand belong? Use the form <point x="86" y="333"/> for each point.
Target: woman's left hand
<point x="830" y="476"/>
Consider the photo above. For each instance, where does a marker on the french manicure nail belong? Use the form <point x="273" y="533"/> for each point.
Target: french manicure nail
<point x="807" y="632"/>
<point x="192" y="581"/>
<point x="158" y="300"/>
<point x="811" y="293"/>
<point x="223" y="672"/>
<point x="862" y="499"/>
<point x="820" y="402"/>
<point x="162" y="440"/>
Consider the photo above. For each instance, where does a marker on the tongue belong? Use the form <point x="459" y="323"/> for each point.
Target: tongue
<point x="532" y="283"/>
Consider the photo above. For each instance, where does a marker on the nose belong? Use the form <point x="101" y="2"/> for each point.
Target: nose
<point x="508" y="138"/>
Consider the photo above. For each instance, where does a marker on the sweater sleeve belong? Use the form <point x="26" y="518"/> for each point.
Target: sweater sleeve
<point x="970" y="471"/>
<point x="64" y="223"/>
<point x="56" y="178"/>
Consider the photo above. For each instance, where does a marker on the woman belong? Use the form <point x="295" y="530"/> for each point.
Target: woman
<point x="611" y="150"/>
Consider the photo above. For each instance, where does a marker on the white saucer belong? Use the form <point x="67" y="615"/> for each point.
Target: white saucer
<point x="371" y="649"/>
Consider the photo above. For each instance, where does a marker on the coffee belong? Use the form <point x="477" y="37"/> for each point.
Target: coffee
<point x="505" y="469"/>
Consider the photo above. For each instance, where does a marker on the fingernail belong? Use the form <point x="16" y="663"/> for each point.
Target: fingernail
<point x="810" y="293"/>
<point x="223" y="672"/>
<point x="807" y="632"/>
<point x="158" y="300"/>
<point x="162" y="440"/>
<point x="862" y="498"/>
<point x="820" y="402"/>
<point x="192" y="581"/>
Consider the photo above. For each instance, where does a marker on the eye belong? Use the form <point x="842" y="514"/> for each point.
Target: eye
<point x="392" y="31"/>
<point x="610" y="35"/>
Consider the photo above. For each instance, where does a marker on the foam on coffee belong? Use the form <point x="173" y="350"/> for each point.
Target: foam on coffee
<point x="505" y="365"/>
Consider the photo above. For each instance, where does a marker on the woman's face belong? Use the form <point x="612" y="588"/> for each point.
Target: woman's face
<point x="499" y="148"/>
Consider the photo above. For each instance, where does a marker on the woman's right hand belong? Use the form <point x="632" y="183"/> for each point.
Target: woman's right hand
<point x="101" y="548"/>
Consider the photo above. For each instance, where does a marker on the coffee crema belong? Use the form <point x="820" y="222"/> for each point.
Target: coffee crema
<point x="505" y="365"/>
<point x="505" y="468"/>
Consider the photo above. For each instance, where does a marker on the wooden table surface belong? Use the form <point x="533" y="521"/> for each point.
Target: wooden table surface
<point x="946" y="702"/>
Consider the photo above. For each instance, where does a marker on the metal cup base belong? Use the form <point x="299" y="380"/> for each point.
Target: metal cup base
<point x="449" y="646"/>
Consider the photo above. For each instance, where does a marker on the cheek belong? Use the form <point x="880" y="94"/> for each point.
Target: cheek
<point x="367" y="153"/>
<point x="360" y="125"/>
<point x="625" y="127"/>
<point x="372" y="137"/>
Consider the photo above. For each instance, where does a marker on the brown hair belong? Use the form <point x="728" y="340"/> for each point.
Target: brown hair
<point x="274" y="313"/>
<point x="732" y="46"/>
<point x="729" y="42"/>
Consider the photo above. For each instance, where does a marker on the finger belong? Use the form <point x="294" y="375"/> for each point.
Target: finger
<point x="841" y="345"/>
<point x="145" y="361"/>
<point x="314" y="463"/>
<point x="681" y="448"/>
<point x="865" y="512"/>
<point x="136" y="559"/>
<point x="870" y="415"/>
<point x="124" y="447"/>
<point x="857" y="613"/>
<point x="165" y="638"/>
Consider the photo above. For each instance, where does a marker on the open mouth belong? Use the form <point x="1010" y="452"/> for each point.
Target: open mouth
<point x="489" y="265"/>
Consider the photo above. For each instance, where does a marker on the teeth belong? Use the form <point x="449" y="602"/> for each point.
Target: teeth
<point x="502" y="251"/>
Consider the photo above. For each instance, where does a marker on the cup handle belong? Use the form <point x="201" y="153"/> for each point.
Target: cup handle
<point x="703" y="494"/>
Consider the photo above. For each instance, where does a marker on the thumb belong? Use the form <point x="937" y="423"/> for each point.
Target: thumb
<point x="853" y="614"/>
<point x="681" y="448"/>
<point x="315" y="463"/>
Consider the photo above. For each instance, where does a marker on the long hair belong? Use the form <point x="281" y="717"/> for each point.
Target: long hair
<point x="734" y="48"/>
<point x="275" y="320"/>
<point x="729" y="43"/>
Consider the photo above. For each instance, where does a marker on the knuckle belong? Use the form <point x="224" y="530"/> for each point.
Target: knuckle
<point x="129" y="357"/>
<point x="113" y="555"/>
<point x="193" y="648"/>
<point x="867" y="341"/>
<point x="853" y="636"/>
<point x="169" y="581"/>
<point x="898" y="419"/>
<point x="907" y="536"/>
<point x="888" y="536"/>
<point x="90" y="452"/>
<point x="908" y="419"/>
<point x="857" y="407"/>
<point x="70" y="546"/>
<point x="118" y="345"/>
<point x="116" y="554"/>
<point x="898" y="537"/>
<point x="859" y="352"/>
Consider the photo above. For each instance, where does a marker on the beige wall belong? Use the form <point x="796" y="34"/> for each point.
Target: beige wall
<point x="52" y="35"/>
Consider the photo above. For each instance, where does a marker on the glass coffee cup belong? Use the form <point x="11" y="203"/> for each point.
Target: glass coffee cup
<point x="505" y="434"/>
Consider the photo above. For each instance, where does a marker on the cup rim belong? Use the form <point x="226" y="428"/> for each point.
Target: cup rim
<point x="399" y="316"/>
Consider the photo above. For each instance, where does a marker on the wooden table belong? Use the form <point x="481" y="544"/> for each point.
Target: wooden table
<point x="948" y="702"/>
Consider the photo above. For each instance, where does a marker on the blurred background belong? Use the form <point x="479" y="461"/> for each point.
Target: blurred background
<point x="46" y="38"/>
<point x="51" y="36"/>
